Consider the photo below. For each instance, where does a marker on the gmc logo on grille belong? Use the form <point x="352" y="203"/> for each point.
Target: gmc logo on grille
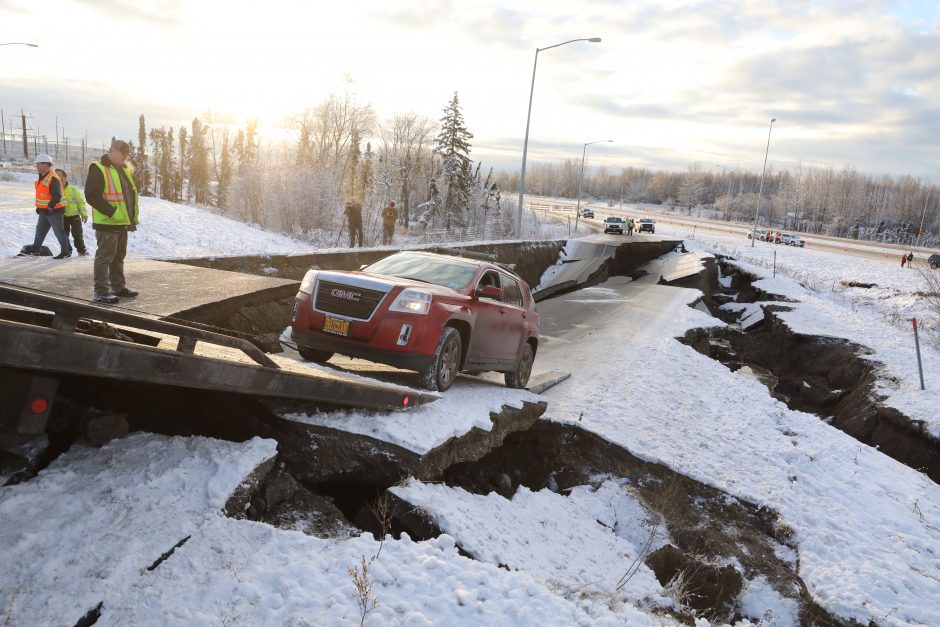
<point x="345" y="294"/>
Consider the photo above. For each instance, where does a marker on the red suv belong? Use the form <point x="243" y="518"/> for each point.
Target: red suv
<point x="435" y="314"/>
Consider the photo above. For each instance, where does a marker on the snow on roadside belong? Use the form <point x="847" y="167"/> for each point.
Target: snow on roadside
<point x="88" y="526"/>
<point x="865" y="526"/>
<point x="565" y="542"/>
<point x="863" y="322"/>
<point x="246" y="573"/>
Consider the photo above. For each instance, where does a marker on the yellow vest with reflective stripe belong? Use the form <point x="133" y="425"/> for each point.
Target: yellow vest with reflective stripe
<point x="114" y="195"/>
<point x="74" y="201"/>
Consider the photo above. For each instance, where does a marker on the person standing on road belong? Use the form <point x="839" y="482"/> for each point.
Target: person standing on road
<point x="354" y="217"/>
<point x="75" y="211"/>
<point x="903" y="260"/>
<point x="50" y="207"/>
<point x="389" y="216"/>
<point x="112" y="194"/>
<point x="910" y="260"/>
<point x="630" y="226"/>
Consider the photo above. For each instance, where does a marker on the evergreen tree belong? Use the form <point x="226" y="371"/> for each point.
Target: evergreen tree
<point x="251" y="145"/>
<point x="351" y="178"/>
<point x="142" y="173"/>
<point x="199" y="164"/>
<point x="156" y="142"/>
<point x="453" y="144"/>
<point x="366" y="170"/>
<point x="184" y="164"/>
<point x="238" y="150"/>
<point x="225" y="174"/>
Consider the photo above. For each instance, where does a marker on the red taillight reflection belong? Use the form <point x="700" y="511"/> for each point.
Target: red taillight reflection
<point x="404" y="401"/>
<point x="38" y="406"/>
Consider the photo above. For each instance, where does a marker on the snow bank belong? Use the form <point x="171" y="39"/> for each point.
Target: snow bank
<point x="86" y="529"/>
<point x="167" y="230"/>
<point x="582" y="543"/>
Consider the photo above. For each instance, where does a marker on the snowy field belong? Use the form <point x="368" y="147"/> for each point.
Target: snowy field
<point x="167" y="230"/>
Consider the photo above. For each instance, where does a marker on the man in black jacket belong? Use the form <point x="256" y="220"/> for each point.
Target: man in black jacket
<point x="111" y="192"/>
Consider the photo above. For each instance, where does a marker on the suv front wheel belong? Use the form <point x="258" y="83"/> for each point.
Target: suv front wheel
<point x="312" y="354"/>
<point x="519" y="377"/>
<point x="442" y="371"/>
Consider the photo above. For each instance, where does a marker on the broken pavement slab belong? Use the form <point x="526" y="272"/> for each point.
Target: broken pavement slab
<point x="470" y="420"/>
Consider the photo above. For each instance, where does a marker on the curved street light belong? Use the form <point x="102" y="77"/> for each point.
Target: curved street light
<point x="760" y="190"/>
<point x="19" y="43"/>
<point x="577" y="213"/>
<point x="525" y="144"/>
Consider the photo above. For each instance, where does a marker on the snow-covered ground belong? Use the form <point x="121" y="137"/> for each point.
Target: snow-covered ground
<point x="167" y="229"/>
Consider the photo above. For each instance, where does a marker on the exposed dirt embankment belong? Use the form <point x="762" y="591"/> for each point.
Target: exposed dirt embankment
<point x="826" y="376"/>
<point x="716" y="540"/>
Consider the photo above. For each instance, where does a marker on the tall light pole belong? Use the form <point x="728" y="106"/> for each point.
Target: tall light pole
<point x="577" y="213"/>
<point x="525" y="144"/>
<point x="760" y="189"/>
<point x="19" y="43"/>
<point x="923" y="216"/>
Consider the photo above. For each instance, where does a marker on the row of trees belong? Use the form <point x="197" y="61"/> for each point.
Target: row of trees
<point x="300" y="185"/>
<point x="830" y="200"/>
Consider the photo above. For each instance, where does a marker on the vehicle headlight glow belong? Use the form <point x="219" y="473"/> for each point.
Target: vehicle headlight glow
<point x="412" y="301"/>
<point x="310" y="279"/>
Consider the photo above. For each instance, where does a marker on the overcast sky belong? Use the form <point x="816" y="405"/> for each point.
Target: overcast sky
<point x="672" y="83"/>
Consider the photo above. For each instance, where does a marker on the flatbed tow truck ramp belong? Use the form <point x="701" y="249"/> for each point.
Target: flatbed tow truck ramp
<point x="45" y="337"/>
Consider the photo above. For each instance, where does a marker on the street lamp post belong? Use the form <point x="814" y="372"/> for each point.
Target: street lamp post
<point x="577" y="213"/>
<point x="760" y="189"/>
<point x="525" y="144"/>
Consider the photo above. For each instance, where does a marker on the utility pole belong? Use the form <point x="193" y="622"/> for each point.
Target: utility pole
<point x="920" y="232"/>
<point x="57" y="139"/>
<point x="25" y="141"/>
<point x="3" y="134"/>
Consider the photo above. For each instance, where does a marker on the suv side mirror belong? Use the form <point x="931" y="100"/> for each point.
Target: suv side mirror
<point x="490" y="291"/>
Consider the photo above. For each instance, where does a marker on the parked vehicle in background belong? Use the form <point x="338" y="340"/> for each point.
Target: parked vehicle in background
<point x="613" y="224"/>
<point x="587" y="213"/>
<point x="792" y="240"/>
<point x="754" y="233"/>
<point x="933" y="261"/>
<point x="435" y="314"/>
<point x="645" y="224"/>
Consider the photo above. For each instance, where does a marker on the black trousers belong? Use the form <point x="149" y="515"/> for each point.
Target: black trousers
<point x="73" y="225"/>
<point x="355" y="232"/>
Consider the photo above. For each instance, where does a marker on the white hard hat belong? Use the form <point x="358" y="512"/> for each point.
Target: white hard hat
<point x="43" y="158"/>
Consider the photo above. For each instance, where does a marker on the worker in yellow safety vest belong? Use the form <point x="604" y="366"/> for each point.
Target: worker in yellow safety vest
<point x="75" y="212"/>
<point x="112" y="194"/>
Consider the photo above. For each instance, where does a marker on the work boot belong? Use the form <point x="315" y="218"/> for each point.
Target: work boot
<point x="106" y="299"/>
<point x="127" y="293"/>
<point x="63" y="255"/>
<point x="83" y="253"/>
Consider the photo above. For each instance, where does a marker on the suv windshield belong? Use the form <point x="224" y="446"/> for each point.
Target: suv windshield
<point x="618" y="220"/>
<point x="446" y="273"/>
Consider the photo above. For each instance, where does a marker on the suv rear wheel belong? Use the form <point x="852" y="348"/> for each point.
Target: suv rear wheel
<point x="442" y="371"/>
<point x="312" y="354"/>
<point x="519" y="377"/>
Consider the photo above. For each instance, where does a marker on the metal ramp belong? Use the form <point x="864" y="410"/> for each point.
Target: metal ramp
<point x="44" y="337"/>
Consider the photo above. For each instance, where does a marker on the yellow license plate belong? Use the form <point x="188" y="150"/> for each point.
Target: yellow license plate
<point x="336" y="326"/>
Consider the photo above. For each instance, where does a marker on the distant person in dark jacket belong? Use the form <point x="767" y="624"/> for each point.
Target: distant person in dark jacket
<point x="389" y="216"/>
<point x="354" y="217"/>
<point x="910" y="260"/>
<point x="112" y="194"/>
<point x="50" y="207"/>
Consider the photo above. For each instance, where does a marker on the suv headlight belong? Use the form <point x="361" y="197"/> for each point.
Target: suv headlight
<point x="412" y="301"/>
<point x="310" y="279"/>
